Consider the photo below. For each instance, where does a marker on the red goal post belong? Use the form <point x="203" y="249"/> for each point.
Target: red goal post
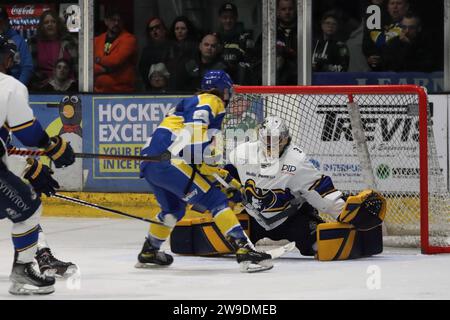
<point x="420" y="207"/>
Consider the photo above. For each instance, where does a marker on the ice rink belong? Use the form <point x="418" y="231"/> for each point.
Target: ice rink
<point x="106" y="251"/>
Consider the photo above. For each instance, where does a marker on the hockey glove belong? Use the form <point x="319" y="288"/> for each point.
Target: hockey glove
<point x="60" y="152"/>
<point x="208" y="170"/>
<point x="40" y="177"/>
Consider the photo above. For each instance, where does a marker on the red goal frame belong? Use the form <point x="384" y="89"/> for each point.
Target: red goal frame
<point x="350" y="90"/>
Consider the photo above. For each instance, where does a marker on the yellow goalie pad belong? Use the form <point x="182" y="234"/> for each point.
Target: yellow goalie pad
<point x="202" y="237"/>
<point x="364" y="211"/>
<point x="341" y="241"/>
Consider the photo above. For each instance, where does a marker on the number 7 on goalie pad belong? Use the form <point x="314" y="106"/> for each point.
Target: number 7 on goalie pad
<point x="339" y="241"/>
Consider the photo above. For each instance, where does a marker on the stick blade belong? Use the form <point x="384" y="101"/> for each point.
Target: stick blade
<point x="279" y="251"/>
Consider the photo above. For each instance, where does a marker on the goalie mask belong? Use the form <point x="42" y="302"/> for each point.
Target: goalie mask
<point x="274" y="135"/>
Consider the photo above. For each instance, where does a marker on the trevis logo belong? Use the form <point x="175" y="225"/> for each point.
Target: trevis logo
<point x="381" y="123"/>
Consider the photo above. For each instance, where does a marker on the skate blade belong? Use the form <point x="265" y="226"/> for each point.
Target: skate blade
<point x="249" y="267"/>
<point x="140" y="265"/>
<point x="21" y="289"/>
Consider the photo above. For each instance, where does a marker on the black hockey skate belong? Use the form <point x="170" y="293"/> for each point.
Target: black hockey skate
<point x="248" y="258"/>
<point x="27" y="281"/>
<point x="150" y="257"/>
<point x="51" y="266"/>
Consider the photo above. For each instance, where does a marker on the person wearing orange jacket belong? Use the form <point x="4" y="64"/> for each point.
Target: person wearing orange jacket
<point x="115" y="54"/>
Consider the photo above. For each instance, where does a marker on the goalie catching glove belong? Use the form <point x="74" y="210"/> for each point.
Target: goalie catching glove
<point x="365" y="211"/>
<point x="60" y="152"/>
<point x="40" y="177"/>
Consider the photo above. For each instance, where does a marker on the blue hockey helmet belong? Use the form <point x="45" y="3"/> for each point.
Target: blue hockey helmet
<point x="217" y="79"/>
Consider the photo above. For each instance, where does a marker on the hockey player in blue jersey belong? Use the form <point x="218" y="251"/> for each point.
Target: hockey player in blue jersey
<point x="20" y="202"/>
<point x="187" y="133"/>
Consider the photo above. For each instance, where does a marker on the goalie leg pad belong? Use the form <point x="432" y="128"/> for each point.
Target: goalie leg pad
<point x="338" y="241"/>
<point x="201" y="236"/>
<point x="365" y="211"/>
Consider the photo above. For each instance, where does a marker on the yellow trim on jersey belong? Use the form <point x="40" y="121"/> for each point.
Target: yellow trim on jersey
<point x="226" y="220"/>
<point x="215" y="240"/>
<point x="22" y="126"/>
<point x="38" y="170"/>
<point x="199" y="181"/>
<point x="214" y="102"/>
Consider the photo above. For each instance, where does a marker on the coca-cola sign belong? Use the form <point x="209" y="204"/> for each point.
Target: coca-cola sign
<point x="27" y="10"/>
<point x="22" y="10"/>
<point x="25" y="17"/>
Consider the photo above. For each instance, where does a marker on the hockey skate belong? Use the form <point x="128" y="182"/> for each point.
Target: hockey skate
<point x="50" y="266"/>
<point x="149" y="257"/>
<point x="27" y="281"/>
<point x="249" y="259"/>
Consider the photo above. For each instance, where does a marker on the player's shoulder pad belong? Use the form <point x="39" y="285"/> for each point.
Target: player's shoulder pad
<point x="214" y="102"/>
<point x="295" y="153"/>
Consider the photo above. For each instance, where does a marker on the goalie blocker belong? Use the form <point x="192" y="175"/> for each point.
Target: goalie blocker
<point x="357" y="232"/>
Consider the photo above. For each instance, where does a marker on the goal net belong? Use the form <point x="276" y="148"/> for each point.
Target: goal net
<point x="378" y="137"/>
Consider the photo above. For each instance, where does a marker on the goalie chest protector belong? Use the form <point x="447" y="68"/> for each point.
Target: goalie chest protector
<point x="201" y="236"/>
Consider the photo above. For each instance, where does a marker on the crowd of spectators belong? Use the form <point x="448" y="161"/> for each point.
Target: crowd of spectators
<point x="389" y="36"/>
<point x="47" y="62"/>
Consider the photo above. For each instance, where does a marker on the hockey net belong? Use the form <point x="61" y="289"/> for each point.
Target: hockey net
<point x="378" y="137"/>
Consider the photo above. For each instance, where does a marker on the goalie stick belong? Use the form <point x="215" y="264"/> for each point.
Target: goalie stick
<point x="274" y="253"/>
<point x="36" y="153"/>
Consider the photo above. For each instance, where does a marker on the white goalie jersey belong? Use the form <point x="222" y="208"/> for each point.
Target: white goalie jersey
<point x="274" y="185"/>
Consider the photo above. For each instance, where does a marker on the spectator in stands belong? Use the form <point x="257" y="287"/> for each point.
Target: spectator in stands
<point x="375" y="39"/>
<point x="158" y="77"/>
<point x="183" y="47"/>
<point x="115" y="55"/>
<point x="23" y="62"/>
<point x="330" y="54"/>
<point x="208" y="58"/>
<point x="157" y="48"/>
<point x="52" y="42"/>
<point x="286" y="42"/>
<point x="238" y="44"/>
<point x="411" y="50"/>
<point x="61" y="80"/>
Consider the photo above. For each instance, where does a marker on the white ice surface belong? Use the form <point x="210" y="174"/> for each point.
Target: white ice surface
<point x="106" y="251"/>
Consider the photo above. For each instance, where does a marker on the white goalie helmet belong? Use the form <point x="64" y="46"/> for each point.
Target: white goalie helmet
<point x="273" y="133"/>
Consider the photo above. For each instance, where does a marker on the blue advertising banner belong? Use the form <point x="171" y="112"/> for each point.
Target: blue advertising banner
<point x="434" y="81"/>
<point x="120" y="125"/>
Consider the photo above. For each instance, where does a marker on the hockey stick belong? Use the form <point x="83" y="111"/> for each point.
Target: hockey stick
<point x="35" y="153"/>
<point x="96" y="206"/>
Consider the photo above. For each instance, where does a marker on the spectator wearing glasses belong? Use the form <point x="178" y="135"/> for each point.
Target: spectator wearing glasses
<point x="411" y="50"/>
<point x="157" y="49"/>
<point x="330" y="54"/>
<point x="115" y="56"/>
